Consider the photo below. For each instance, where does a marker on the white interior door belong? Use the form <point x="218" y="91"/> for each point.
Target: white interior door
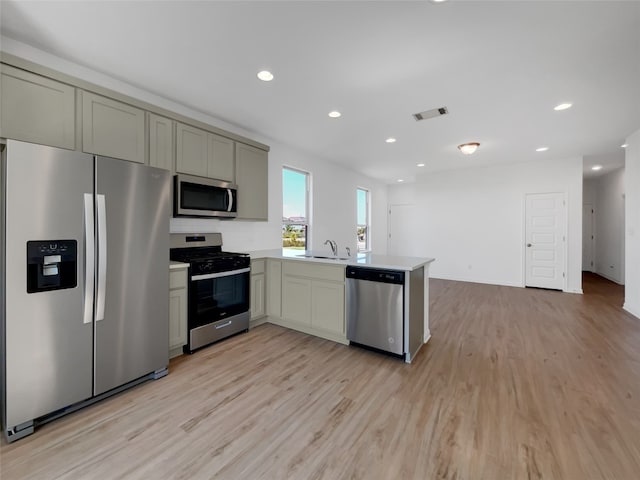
<point x="545" y="239"/>
<point x="402" y="230"/>
<point x="588" y="243"/>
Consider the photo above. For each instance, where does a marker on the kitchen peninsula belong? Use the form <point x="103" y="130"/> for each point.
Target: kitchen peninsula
<point x="305" y="291"/>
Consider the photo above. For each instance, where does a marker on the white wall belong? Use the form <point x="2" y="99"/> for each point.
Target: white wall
<point x="632" y="222"/>
<point x="334" y="187"/>
<point x="472" y="221"/>
<point x="588" y="224"/>
<point x="609" y="226"/>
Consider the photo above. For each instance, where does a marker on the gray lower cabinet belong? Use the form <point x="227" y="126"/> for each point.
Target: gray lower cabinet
<point x="112" y="128"/>
<point x="257" y="290"/>
<point x="161" y="151"/>
<point x="313" y="299"/>
<point x="178" y="311"/>
<point x="252" y="178"/>
<point x="36" y="109"/>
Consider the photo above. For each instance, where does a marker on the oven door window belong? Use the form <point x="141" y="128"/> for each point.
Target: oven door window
<point x="194" y="196"/>
<point x="215" y="299"/>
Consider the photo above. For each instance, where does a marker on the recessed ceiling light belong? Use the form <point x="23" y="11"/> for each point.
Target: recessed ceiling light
<point x="438" y="1"/>
<point x="542" y="149"/>
<point x="265" y="76"/>
<point x="562" y="106"/>
<point x="596" y="167"/>
<point x="390" y="140"/>
<point x="624" y="145"/>
<point x="400" y="180"/>
<point x="420" y="165"/>
<point x="335" y="114"/>
<point x="468" y="148"/>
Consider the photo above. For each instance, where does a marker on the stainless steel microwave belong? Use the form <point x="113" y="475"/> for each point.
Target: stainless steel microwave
<point x="204" y="197"/>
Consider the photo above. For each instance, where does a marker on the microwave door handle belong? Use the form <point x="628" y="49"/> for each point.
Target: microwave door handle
<point x="230" y="209"/>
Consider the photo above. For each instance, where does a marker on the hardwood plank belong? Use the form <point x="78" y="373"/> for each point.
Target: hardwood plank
<point x="515" y="383"/>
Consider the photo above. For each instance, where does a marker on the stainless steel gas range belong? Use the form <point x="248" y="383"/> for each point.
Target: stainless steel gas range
<point x="218" y="288"/>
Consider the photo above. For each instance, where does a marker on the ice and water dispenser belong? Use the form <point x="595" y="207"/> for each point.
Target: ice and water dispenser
<point x="51" y="265"/>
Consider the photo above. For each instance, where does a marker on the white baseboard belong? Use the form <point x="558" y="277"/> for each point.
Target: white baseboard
<point x="604" y="275"/>
<point x="632" y="309"/>
<point x="574" y="290"/>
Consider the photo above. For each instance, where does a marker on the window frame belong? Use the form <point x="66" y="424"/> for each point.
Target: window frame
<point x="307" y="213"/>
<point x="367" y="224"/>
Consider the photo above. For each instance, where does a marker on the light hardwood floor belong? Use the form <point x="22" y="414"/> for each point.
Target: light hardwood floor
<point x="515" y="384"/>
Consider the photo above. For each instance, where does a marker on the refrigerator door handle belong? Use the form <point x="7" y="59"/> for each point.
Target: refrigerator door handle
<point x="230" y="193"/>
<point x="102" y="257"/>
<point x="89" y="258"/>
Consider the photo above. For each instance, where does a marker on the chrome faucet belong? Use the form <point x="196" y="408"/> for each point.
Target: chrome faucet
<point x="334" y="247"/>
<point x="348" y="251"/>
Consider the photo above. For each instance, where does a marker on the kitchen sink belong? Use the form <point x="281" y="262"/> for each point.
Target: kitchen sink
<point x="324" y="257"/>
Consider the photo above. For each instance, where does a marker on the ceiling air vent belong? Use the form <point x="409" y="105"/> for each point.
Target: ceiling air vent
<point x="436" y="112"/>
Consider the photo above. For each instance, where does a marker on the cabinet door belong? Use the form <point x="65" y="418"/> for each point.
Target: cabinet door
<point x="36" y="109"/>
<point x="178" y="308"/>
<point x="161" y="149"/>
<point x="257" y="296"/>
<point x="252" y="180"/>
<point x="191" y="152"/>
<point x="221" y="158"/>
<point x="327" y="306"/>
<point x="112" y="128"/>
<point x="274" y="288"/>
<point x="296" y="300"/>
<point x="177" y="318"/>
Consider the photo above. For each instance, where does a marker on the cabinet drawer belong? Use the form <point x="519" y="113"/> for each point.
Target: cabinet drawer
<point x="257" y="266"/>
<point x="314" y="270"/>
<point x="178" y="279"/>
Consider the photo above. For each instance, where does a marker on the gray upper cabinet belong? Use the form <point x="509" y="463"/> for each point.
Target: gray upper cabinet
<point x="36" y="109"/>
<point x="204" y="154"/>
<point x="112" y="128"/>
<point x="252" y="177"/>
<point x="191" y="151"/>
<point x="161" y="151"/>
<point x="221" y="158"/>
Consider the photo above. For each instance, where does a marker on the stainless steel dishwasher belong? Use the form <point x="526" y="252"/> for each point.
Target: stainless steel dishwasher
<point x="375" y="308"/>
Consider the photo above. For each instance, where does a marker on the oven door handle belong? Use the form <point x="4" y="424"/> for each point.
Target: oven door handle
<point x="207" y="276"/>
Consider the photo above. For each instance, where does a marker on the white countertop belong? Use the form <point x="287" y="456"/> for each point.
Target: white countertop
<point x="371" y="260"/>
<point x="177" y="265"/>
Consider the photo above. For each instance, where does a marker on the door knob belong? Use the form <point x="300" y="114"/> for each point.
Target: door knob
<point x="528" y="244"/>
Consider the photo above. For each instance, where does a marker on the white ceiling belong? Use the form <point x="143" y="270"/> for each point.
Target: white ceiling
<point x="500" y="68"/>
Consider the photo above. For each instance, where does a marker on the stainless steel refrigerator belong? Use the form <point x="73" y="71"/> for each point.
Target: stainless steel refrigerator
<point x="85" y="280"/>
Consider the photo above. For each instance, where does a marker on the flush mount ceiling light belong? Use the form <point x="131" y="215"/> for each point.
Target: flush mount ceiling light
<point x="335" y="114"/>
<point x="542" y="149"/>
<point x="390" y="140"/>
<point x="596" y="167"/>
<point x="265" y="76"/>
<point x="420" y="165"/>
<point x="562" y="106"/>
<point x="438" y="1"/>
<point x="624" y="145"/>
<point x="400" y="180"/>
<point x="468" y="148"/>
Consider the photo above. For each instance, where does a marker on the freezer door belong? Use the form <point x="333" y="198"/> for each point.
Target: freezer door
<point x="132" y="293"/>
<point x="48" y="338"/>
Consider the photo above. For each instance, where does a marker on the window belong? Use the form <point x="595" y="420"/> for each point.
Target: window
<point x="295" y="209"/>
<point x="363" y="230"/>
